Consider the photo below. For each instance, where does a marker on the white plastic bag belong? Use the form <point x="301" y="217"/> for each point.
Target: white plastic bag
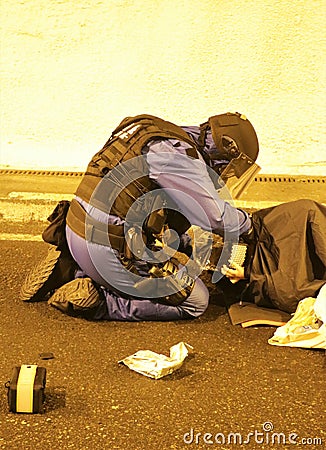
<point x="307" y="328"/>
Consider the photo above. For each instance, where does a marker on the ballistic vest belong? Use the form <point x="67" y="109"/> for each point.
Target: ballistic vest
<point x="128" y="141"/>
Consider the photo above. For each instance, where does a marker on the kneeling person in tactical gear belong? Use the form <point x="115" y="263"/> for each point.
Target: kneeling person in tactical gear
<point x="126" y="228"/>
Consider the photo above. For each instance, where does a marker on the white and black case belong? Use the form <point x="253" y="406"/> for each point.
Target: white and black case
<point x="26" y="389"/>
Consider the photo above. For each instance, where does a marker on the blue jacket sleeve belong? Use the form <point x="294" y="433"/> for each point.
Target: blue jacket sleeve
<point x="188" y="183"/>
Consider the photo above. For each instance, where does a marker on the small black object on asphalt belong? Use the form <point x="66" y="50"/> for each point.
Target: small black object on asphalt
<point x="46" y="355"/>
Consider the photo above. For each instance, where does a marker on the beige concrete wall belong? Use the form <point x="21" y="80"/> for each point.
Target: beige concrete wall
<point x="71" y="70"/>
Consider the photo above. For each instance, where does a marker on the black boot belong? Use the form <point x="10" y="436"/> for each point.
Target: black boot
<point x="79" y="298"/>
<point x="56" y="269"/>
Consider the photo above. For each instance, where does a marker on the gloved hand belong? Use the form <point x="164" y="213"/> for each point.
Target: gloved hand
<point x="234" y="272"/>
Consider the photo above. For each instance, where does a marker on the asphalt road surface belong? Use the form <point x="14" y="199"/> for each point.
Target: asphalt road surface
<point x="234" y="387"/>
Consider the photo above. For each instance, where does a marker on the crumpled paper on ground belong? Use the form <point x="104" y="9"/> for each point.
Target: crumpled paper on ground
<point x="155" y="365"/>
<point x="307" y="328"/>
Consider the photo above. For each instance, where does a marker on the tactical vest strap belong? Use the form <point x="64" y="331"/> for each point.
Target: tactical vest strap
<point x="201" y="141"/>
<point x="94" y="231"/>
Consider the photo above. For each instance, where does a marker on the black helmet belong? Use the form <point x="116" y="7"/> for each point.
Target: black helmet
<point x="236" y="141"/>
<point x="233" y="134"/>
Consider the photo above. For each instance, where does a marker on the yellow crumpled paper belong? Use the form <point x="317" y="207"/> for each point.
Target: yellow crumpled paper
<point x="155" y="365"/>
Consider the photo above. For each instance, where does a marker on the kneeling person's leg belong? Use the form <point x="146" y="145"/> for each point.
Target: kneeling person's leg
<point x="123" y="309"/>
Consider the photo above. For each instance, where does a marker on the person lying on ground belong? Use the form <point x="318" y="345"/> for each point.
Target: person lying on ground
<point x="286" y="260"/>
